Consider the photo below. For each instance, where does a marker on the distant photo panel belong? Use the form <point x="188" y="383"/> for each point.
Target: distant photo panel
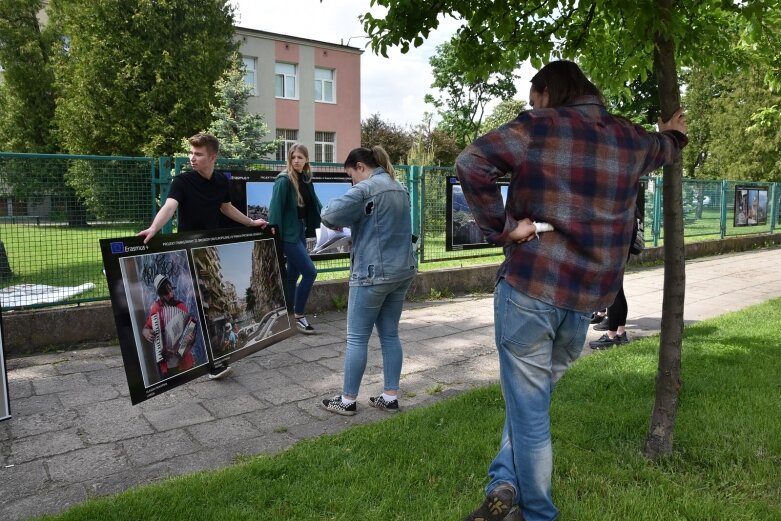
<point x="251" y="192"/>
<point x="751" y="206"/>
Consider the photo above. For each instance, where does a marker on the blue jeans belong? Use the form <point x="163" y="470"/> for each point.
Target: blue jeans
<point x="368" y="306"/>
<point x="537" y="342"/>
<point x="299" y="264"/>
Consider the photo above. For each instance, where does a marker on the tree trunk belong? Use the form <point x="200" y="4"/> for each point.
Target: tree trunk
<point x="659" y="439"/>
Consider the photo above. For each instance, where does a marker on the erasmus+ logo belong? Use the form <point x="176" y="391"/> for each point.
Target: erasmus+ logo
<point x="119" y="247"/>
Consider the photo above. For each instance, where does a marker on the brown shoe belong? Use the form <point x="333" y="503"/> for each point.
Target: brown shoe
<point x="498" y="506"/>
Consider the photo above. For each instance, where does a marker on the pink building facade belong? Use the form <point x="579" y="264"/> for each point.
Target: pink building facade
<point x="309" y="92"/>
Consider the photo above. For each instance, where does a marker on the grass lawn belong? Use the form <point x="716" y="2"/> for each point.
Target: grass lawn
<point x="430" y="463"/>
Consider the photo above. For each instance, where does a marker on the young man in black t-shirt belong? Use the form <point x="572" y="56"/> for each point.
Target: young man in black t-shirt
<point x="200" y="196"/>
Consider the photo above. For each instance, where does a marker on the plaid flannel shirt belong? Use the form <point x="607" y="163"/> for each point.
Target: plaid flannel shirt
<point x="576" y="167"/>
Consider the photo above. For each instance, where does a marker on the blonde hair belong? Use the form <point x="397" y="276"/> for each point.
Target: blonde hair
<point x="306" y="172"/>
<point x="373" y="158"/>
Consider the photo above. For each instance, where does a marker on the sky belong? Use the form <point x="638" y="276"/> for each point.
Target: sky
<point x="393" y="87"/>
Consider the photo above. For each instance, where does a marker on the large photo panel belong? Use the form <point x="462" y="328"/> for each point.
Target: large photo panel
<point x="5" y="402"/>
<point x="185" y="301"/>
<point x="251" y="192"/>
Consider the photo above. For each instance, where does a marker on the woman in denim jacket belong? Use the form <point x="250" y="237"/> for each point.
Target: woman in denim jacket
<point x="382" y="265"/>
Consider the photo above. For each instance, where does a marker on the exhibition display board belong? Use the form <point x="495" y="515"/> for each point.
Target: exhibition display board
<point x="185" y="302"/>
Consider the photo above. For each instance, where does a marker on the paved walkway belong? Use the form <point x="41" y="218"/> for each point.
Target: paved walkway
<point x="74" y="434"/>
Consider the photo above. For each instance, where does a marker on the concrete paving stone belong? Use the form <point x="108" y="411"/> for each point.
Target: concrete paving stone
<point x="286" y="345"/>
<point x="112" y="376"/>
<point x="283" y="416"/>
<point x="176" y="396"/>
<point x="334" y="364"/>
<point x="239" y="403"/>
<point x="313" y="376"/>
<point x="152" y="448"/>
<point x="5" y="432"/>
<point x="18" y="481"/>
<point x="181" y="415"/>
<point x="333" y="424"/>
<point x="223" y="431"/>
<point x="43" y="445"/>
<point x="19" y="389"/>
<point x="80" y="365"/>
<point x="86" y="464"/>
<point x="261" y="380"/>
<point x="204" y="459"/>
<point x="120" y="481"/>
<point x="53" y="420"/>
<point x="43" y="360"/>
<point x="265" y="444"/>
<point x="204" y="389"/>
<point x="276" y="360"/>
<point x="89" y="394"/>
<point x="112" y="420"/>
<point x="59" y="383"/>
<point x="50" y="501"/>
<point x="29" y="373"/>
<point x="319" y="340"/>
<point x="313" y="354"/>
<point x="284" y="394"/>
<point x="34" y="405"/>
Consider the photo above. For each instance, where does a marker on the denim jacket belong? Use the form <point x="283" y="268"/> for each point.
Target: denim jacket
<point x="377" y="211"/>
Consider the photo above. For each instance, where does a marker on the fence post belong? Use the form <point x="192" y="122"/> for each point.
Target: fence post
<point x="773" y="206"/>
<point x="723" y="217"/>
<point x="657" y="207"/>
<point x="415" y="206"/>
<point x="163" y="182"/>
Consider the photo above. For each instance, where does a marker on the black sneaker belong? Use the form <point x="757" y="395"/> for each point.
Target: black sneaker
<point x="604" y="342"/>
<point x="218" y="373"/>
<point x="304" y="326"/>
<point x="378" y="402"/>
<point x="622" y="339"/>
<point x="498" y="506"/>
<point x="602" y="325"/>
<point x="596" y="318"/>
<point x="335" y="405"/>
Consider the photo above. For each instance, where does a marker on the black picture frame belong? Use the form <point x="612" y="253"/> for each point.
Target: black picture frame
<point x="751" y="205"/>
<point x="461" y="230"/>
<point x="250" y="192"/>
<point x="228" y="302"/>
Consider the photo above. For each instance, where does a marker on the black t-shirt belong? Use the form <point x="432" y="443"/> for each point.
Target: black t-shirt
<point x="199" y="200"/>
<point x="306" y="195"/>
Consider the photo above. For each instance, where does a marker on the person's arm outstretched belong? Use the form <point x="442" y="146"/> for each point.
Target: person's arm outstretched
<point x="162" y="217"/>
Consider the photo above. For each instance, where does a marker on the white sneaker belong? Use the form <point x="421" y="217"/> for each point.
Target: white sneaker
<point x="218" y="373"/>
<point x="304" y="326"/>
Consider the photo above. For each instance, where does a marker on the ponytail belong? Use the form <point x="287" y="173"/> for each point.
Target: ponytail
<point x="374" y="158"/>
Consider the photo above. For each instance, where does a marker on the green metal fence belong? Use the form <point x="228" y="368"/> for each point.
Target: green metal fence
<point x="55" y="208"/>
<point x="53" y="211"/>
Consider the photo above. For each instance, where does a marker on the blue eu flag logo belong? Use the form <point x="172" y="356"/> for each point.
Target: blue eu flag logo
<point x="117" y="247"/>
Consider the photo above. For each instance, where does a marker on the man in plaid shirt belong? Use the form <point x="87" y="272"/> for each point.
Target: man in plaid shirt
<point x="576" y="167"/>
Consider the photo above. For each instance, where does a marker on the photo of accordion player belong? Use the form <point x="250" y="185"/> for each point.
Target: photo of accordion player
<point x="174" y="331"/>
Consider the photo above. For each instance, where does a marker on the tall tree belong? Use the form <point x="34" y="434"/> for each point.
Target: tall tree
<point x="240" y="134"/>
<point x="616" y="42"/>
<point x="394" y="139"/>
<point x="133" y="77"/>
<point x="735" y="134"/>
<point x="27" y="94"/>
<point x="506" y="111"/>
<point x="463" y="97"/>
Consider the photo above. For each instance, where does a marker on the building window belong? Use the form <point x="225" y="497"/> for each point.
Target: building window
<point x="285" y="80"/>
<point x="250" y="73"/>
<point x="325" y="147"/>
<point x="324" y="85"/>
<point x="288" y="138"/>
